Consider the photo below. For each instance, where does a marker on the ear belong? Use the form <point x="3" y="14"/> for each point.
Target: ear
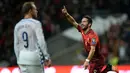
<point x="30" y="11"/>
<point x="89" y="25"/>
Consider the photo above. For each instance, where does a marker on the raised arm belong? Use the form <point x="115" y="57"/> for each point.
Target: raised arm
<point x="69" y="17"/>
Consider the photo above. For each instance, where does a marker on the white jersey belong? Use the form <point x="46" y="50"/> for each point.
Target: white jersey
<point x="28" y="37"/>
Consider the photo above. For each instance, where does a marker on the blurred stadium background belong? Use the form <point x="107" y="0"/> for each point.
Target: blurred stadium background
<point x="111" y="20"/>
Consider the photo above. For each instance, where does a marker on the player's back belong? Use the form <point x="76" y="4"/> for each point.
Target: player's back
<point x="26" y="41"/>
<point x="26" y="34"/>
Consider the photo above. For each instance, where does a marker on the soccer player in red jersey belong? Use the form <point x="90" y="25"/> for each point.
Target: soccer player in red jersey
<point x="95" y="60"/>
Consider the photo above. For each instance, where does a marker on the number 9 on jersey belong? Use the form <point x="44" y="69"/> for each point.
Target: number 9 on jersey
<point x="25" y="39"/>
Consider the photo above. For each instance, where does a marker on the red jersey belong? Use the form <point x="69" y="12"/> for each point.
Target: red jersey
<point x="91" y="39"/>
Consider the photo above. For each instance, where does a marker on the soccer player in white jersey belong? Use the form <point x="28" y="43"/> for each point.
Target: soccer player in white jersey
<point x="29" y="43"/>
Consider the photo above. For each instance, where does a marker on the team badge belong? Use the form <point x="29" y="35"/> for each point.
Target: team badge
<point x="93" y="41"/>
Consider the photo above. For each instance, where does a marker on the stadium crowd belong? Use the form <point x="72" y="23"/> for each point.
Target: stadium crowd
<point x="116" y="40"/>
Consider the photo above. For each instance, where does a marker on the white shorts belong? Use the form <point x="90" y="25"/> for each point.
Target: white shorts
<point x="31" y="69"/>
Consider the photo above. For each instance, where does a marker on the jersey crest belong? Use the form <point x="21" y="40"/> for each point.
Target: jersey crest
<point x="93" y="41"/>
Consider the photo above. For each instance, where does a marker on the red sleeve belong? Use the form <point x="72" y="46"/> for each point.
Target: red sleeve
<point x="93" y="41"/>
<point x="79" y="28"/>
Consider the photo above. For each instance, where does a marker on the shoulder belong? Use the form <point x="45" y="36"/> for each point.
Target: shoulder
<point x="37" y="24"/>
<point x="18" y="24"/>
<point x="35" y="21"/>
<point x="93" y="38"/>
<point x="93" y="34"/>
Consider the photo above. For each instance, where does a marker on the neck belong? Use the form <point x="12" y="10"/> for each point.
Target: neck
<point x="27" y="16"/>
<point x="85" y="31"/>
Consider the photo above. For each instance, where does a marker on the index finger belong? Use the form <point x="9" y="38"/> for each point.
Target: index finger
<point x="64" y="7"/>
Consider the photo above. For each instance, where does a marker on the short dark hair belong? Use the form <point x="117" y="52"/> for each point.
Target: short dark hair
<point x="26" y="7"/>
<point x="89" y="19"/>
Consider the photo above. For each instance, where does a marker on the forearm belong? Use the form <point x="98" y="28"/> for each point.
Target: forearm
<point x="16" y="52"/>
<point x="43" y="47"/>
<point x="46" y="54"/>
<point x="71" y="19"/>
<point x="91" y="53"/>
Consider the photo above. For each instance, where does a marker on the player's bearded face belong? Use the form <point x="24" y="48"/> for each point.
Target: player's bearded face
<point x="84" y="24"/>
